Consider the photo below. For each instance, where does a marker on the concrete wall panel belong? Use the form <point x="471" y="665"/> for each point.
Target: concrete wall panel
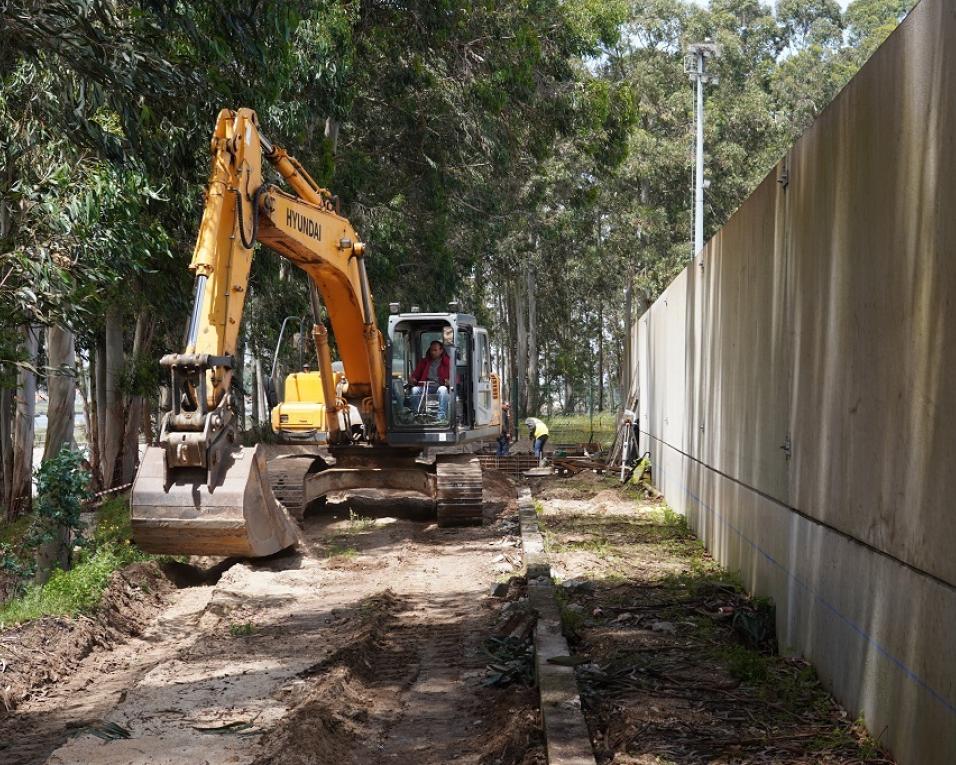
<point x="873" y="234"/>
<point x="820" y="318"/>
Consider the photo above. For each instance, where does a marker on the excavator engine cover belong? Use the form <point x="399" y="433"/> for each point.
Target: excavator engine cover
<point x="178" y="512"/>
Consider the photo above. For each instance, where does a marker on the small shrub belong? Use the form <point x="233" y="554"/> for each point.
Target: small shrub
<point x="745" y="665"/>
<point x="359" y="523"/>
<point x="62" y="488"/>
<point x="242" y="630"/>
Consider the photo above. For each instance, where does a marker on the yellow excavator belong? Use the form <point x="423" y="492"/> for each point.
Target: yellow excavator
<point x="199" y="492"/>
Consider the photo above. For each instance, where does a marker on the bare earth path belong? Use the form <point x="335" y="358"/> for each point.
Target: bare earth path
<point x="363" y="647"/>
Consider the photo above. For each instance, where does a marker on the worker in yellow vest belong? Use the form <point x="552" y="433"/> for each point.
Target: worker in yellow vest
<point x="538" y="433"/>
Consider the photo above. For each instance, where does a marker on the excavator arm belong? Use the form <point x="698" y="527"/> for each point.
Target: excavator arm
<point x="304" y="228"/>
<point x="198" y="492"/>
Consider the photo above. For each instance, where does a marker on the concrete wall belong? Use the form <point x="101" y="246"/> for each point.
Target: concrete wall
<point x="797" y="388"/>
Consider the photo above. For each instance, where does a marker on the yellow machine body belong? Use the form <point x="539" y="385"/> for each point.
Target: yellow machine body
<point x="302" y="411"/>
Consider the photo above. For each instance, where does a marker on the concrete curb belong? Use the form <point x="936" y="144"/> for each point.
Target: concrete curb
<point x="566" y="734"/>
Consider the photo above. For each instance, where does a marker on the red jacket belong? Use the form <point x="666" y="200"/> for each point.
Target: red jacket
<point x="444" y="368"/>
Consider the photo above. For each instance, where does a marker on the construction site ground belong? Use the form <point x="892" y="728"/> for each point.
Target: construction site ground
<point x="385" y="639"/>
<point x="366" y="645"/>
<point x="674" y="662"/>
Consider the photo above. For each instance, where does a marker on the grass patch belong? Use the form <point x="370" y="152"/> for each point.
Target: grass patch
<point x="744" y="664"/>
<point x="242" y="630"/>
<point x="113" y="524"/>
<point x="13" y="534"/>
<point x="68" y="593"/>
<point x="341" y="551"/>
<point x="572" y="619"/>
<point x="670" y="517"/>
<point x="359" y="523"/>
<point x="598" y="546"/>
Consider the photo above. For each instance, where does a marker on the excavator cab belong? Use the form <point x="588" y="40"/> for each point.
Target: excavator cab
<point x="463" y="404"/>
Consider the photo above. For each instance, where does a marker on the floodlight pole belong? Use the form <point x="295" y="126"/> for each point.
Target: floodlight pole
<point x="695" y="65"/>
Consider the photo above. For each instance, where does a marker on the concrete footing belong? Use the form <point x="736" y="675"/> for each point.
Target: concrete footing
<point x="567" y="739"/>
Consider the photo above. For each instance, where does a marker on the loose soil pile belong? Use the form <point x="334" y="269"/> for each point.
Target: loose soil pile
<point x="46" y="650"/>
<point x="679" y="665"/>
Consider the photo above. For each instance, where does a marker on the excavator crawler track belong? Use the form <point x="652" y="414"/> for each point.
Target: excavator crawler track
<point x="287" y="478"/>
<point x="458" y="487"/>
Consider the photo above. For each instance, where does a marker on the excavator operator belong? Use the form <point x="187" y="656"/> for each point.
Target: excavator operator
<point x="431" y="375"/>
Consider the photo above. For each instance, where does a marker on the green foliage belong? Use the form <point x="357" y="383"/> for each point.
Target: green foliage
<point x="477" y="144"/>
<point x="242" y="630"/>
<point x="673" y="519"/>
<point x="745" y="664"/>
<point x="68" y="593"/>
<point x="113" y="524"/>
<point x="340" y="551"/>
<point x="78" y="590"/>
<point x="62" y="488"/>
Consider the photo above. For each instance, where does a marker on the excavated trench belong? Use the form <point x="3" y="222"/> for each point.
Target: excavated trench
<point x="367" y="645"/>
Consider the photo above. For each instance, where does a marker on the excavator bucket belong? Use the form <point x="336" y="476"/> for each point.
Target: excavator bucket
<point x="177" y="512"/>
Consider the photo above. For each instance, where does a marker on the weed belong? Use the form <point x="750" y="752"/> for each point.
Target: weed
<point x="599" y="546"/>
<point x="113" y="524"/>
<point x="538" y="508"/>
<point x="70" y="592"/>
<point x="15" y="533"/>
<point x="744" y="664"/>
<point x="359" y="523"/>
<point x="341" y="551"/>
<point x="242" y="630"/>
<point x="672" y="518"/>
<point x="572" y="619"/>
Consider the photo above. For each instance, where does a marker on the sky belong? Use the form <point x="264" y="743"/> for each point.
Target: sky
<point x="843" y="3"/>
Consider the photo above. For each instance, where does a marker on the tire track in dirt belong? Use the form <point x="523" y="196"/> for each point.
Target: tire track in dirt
<point x="364" y="647"/>
<point x="44" y="722"/>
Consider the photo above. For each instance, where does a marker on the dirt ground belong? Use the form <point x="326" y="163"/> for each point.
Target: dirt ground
<point x="367" y="645"/>
<point x="678" y="666"/>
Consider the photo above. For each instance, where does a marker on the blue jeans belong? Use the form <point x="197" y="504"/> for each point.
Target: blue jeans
<point x="503" y="445"/>
<point x="419" y="390"/>
<point x="539" y="446"/>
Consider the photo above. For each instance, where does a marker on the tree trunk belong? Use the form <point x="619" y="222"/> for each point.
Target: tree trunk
<point x="20" y="488"/>
<point x="86" y="377"/>
<point x="113" y="419"/>
<point x="254" y="397"/>
<point x="626" y="371"/>
<point x="332" y="134"/>
<point x="600" y="358"/>
<point x="512" y="357"/>
<point x="238" y="384"/>
<point x="6" y="438"/>
<point x="98" y="381"/>
<point x="61" y="386"/>
<point x="261" y="404"/>
<point x="521" y="367"/>
<point x="134" y="407"/>
<point x="533" y="402"/>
